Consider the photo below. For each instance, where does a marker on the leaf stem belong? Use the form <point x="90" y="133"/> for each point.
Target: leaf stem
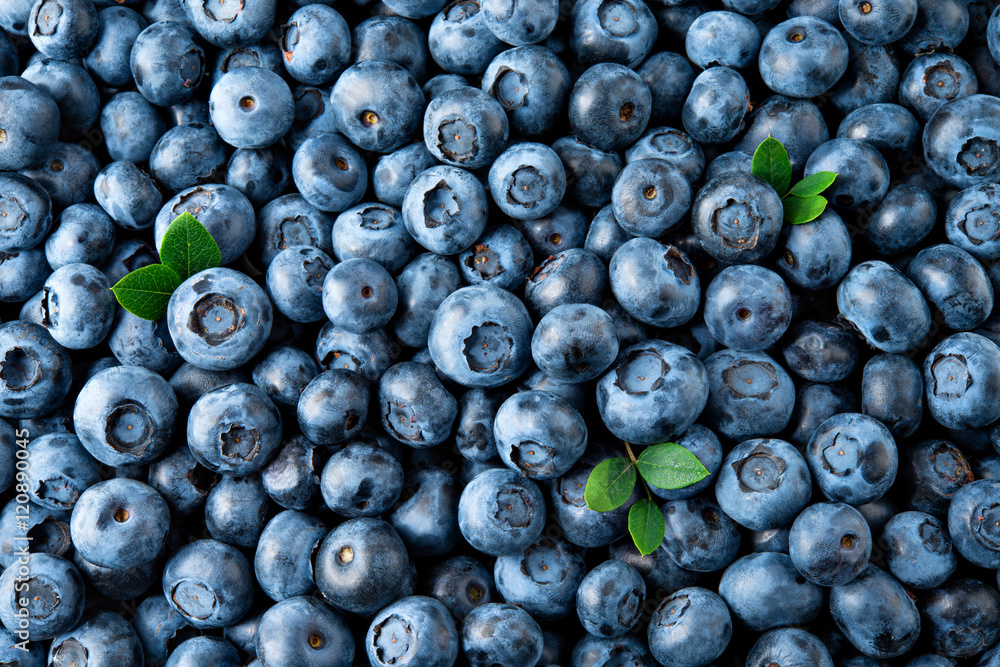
<point x="635" y="462"/>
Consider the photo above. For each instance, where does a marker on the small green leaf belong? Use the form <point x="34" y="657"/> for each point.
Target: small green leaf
<point x="646" y="525"/>
<point x="146" y="291"/>
<point x="771" y="163"/>
<point x="670" y="466"/>
<point x="188" y="248"/>
<point x="803" y="209"/>
<point x="610" y="484"/>
<point x="813" y="185"/>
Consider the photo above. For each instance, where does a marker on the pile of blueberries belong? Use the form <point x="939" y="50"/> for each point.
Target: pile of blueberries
<point x="471" y="250"/>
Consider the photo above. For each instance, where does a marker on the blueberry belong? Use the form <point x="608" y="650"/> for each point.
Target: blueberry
<point x="903" y="218"/>
<point x="377" y="105"/>
<point x="52" y="598"/>
<point x="609" y="106"/>
<point x="167" y="63"/>
<point x="650" y="197"/>
<point x="34" y="370"/>
<point x="875" y="614"/>
<point x="939" y="24"/>
<point x="714" y="109"/>
<point x="749" y="395"/>
<point x="862" y="173"/>
<point x="394" y="172"/>
<point x="669" y="77"/>
<point x="365" y="354"/>
<point x="610" y="599"/>
<point x="723" y="39"/>
<point x="445" y="209"/>
<point x="261" y="54"/>
<point x="415" y="630"/>
<point x="416" y="409"/>
<point x="501" y="513"/>
<point x="291" y="479"/>
<point x="574" y="343"/>
<point x="72" y="89"/>
<point x="960" y="143"/>
<point x="802" y="57"/>
<point x="465" y="127"/>
<point x="796" y="123"/>
<point x="878" y="23"/>
<point x="565" y="229"/>
<point x="359" y="566"/>
<point x="853" y="458"/>
<point x="30" y="205"/>
<point x="931" y="81"/>
<point x="542" y="580"/>
<point x="251" y="107"/>
<point x="699" y="535"/>
<point x="574" y="275"/>
<point x="892" y="391"/>
<point x="527" y="181"/>
<point x="621" y="32"/>
<point x="283" y="557"/>
<point x="677" y="288"/>
<point x="501" y="257"/>
<point x="219" y="319"/>
<point x="230" y="26"/>
<point x="208" y="583"/>
<point x="539" y="434"/>
<point x="969" y="221"/>
<point x="976" y="539"/>
<point x="581" y="525"/>
<point x="788" y="645"/>
<point x="234" y="430"/>
<point x="461" y="584"/>
<point x="316" y="43"/>
<point x="288" y="221"/>
<point x="48" y="530"/>
<point x="872" y="77"/>
<point x="962" y="617"/>
<point x="261" y="174"/>
<point x="329" y="173"/>
<point x="125" y="415"/>
<point x="182" y="481"/>
<point x="236" y="510"/>
<point x="188" y="155"/>
<point x="747" y="307"/>
<point x="63" y="29"/>
<point x="103" y="637"/>
<point x="655" y="391"/>
<point x="128" y="194"/>
<point x="764" y="591"/>
<point x="375" y="232"/>
<point x="221" y="209"/>
<point x="918" y="550"/>
<point x="594" y="651"/>
<point x="61" y="470"/>
<point x="480" y="337"/>
<point x="295" y="282"/>
<point x="520" y="22"/>
<point x="197" y="650"/>
<point x="888" y="127"/>
<point x="959" y="374"/>
<point x="459" y="41"/>
<point x="884" y="306"/>
<point x="305" y="631"/>
<point x="532" y="84"/>
<point x="934" y="470"/>
<point x="361" y="480"/>
<point x="498" y="633"/>
<point x="426" y="515"/>
<point x="692" y="627"/>
<point x="737" y="217"/>
<point x="763" y="483"/>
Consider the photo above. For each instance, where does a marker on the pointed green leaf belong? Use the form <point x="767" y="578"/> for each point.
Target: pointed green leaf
<point x="803" y="209"/>
<point x="670" y="466"/>
<point x="610" y="484"/>
<point x="188" y="248"/>
<point x="146" y="291"/>
<point x="771" y="163"/>
<point x="813" y="185"/>
<point x="646" y="526"/>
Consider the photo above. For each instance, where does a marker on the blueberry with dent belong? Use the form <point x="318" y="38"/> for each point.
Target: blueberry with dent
<point x="501" y="512"/>
<point x="465" y="127"/>
<point x="853" y="458"/>
<point x="51" y="599"/>
<point x="610" y="599"/>
<point x="763" y="483"/>
<point x="481" y="337"/>
<point x="234" y="430"/>
<point x="219" y="319"/>
<point x="125" y="415"/>
<point x="689" y="628"/>
<point x="750" y="395"/>
<point x="527" y="181"/>
<point x="411" y="632"/>
<point x="542" y="580"/>
<point x="538" y="434"/>
<point x="208" y="583"/>
<point x="445" y="209"/>
<point x="501" y="257"/>
<point x="61" y="470"/>
<point x="654" y="391"/>
<point x="361" y="479"/>
<point x="961" y="374"/>
<point x="737" y="217"/>
<point x="373" y="231"/>
<point x="283" y="555"/>
<point x="294" y="282"/>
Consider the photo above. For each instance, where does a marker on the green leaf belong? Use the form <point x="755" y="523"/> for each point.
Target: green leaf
<point x="670" y="466"/>
<point x="610" y="484"/>
<point x="813" y="185"/>
<point x="646" y="525"/>
<point x="146" y="291"/>
<point x="188" y="248"/>
<point x="803" y="209"/>
<point x="771" y="163"/>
